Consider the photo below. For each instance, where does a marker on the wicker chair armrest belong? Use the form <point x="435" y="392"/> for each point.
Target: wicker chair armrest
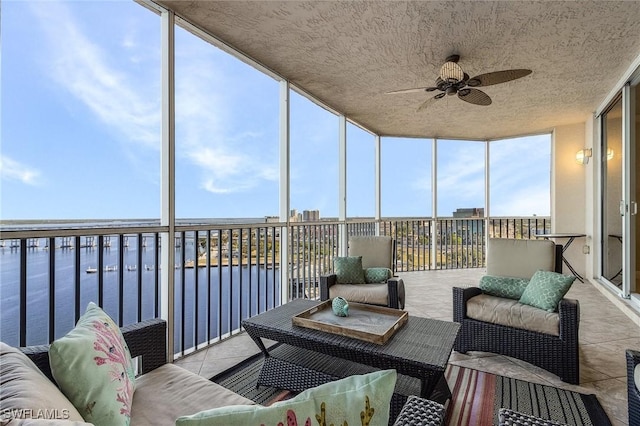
<point x="460" y="297"/>
<point x="147" y="339"/>
<point x="326" y="281"/>
<point x="420" y="412"/>
<point x="569" y="311"/>
<point x="40" y="357"/>
<point x="633" y="394"/>
<point x="393" y="295"/>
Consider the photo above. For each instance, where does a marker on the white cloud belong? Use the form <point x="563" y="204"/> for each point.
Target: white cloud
<point x="118" y="99"/>
<point x="82" y="68"/>
<point x="229" y="162"/>
<point x="13" y="170"/>
<point x="526" y="201"/>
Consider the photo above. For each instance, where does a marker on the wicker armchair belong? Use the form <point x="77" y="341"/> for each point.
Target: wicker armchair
<point x="376" y="251"/>
<point x="556" y="354"/>
<point x="633" y="386"/>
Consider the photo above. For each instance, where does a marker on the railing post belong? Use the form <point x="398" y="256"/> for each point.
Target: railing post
<point x="378" y="183"/>
<point x="285" y="159"/>
<point x="342" y="183"/>
<point x="167" y="183"/>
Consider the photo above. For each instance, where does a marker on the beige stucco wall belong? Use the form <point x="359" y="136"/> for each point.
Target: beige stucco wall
<point x="568" y="182"/>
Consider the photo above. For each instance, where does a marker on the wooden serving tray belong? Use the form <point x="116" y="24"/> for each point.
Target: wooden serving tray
<point x="375" y="324"/>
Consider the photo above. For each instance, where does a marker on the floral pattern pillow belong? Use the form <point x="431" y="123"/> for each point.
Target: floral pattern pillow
<point x="93" y="368"/>
<point x="355" y="400"/>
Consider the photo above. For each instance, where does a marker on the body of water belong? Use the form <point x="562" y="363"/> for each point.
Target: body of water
<point x="223" y="296"/>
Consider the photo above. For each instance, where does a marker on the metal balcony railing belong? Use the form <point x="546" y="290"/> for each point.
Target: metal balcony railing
<point x="223" y="273"/>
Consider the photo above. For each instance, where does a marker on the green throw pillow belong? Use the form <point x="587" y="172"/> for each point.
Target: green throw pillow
<point x="377" y="275"/>
<point x="335" y="403"/>
<point x="546" y="289"/>
<point x="93" y="368"/>
<point x="348" y="270"/>
<point x="508" y="287"/>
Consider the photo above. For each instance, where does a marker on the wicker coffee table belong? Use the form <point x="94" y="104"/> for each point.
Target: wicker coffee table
<point x="420" y="349"/>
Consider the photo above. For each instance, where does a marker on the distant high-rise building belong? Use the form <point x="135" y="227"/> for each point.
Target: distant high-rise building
<point x="294" y="216"/>
<point x="311" y="215"/>
<point x="469" y="212"/>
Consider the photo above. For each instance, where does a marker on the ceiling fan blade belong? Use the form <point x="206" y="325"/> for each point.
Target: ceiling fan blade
<point x="474" y="96"/>
<point x="497" y="77"/>
<point x="429" y="101"/>
<point x="414" y="90"/>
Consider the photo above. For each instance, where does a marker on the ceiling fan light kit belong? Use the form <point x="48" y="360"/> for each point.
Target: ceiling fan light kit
<point x="451" y="72"/>
<point x="453" y="80"/>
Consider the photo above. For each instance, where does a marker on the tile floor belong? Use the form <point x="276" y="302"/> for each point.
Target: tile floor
<point x="605" y="333"/>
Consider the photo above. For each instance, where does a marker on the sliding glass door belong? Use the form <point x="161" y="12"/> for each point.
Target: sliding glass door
<point x="611" y="161"/>
<point x="620" y="127"/>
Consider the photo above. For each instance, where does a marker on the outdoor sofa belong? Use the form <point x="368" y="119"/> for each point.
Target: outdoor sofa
<point x="163" y="390"/>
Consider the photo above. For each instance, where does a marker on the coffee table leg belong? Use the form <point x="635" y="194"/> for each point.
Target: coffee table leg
<point x="439" y="393"/>
<point x="257" y="340"/>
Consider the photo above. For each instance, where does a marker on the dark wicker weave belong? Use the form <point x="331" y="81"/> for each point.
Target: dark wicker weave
<point x="420" y="412"/>
<point x="421" y="348"/>
<point x="508" y="417"/>
<point x="297" y="369"/>
<point x="146" y="339"/>
<point x="633" y="394"/>
<point x="557" y="354"/>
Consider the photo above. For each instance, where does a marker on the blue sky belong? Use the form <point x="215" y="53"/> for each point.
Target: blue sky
<point x="81" y="132"/>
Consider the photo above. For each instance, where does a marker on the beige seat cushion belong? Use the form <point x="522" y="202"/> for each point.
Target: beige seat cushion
<point x="24" y="387"/>
<point x="362" y="293"/>
<point x="519" y="258"/>
<point x="169" y="392"/>
<point x="511" y="313"/>
<point x="636" y="376"/>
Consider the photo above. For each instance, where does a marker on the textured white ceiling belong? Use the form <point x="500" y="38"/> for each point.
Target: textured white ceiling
<point x="349" y="54"/>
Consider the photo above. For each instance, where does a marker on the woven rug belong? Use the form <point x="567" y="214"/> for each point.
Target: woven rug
<point x="477" y="396"/>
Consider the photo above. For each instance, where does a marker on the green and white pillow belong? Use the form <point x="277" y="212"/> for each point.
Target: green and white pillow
<point x="93" y="368"/>
<point x="546" y="289"/>
<point x="377" y="275"/>
<point x="355" y="400"/>
<point x="507" y="287"/>
<point x="348" y="270"/>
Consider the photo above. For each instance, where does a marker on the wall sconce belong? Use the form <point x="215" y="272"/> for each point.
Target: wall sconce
<point x="609" y="154"/>
<point x="582" y="156"/>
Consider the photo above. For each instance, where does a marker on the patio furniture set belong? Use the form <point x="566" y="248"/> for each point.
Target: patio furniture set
<point x="163" y="391"/>
<point x="305" y="358"/>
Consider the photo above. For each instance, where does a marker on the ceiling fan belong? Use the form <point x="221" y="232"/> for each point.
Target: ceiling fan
<point x="454" y="81"/>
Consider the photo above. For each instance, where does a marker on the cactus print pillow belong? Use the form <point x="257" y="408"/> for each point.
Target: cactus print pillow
<point x="93" y="368"/>
<point x="355" y="400"/>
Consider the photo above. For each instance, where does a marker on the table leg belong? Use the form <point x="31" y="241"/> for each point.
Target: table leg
<point x="257" y="340"/>
<point x="436" y="389"/>
<point x="566" y="262"/>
